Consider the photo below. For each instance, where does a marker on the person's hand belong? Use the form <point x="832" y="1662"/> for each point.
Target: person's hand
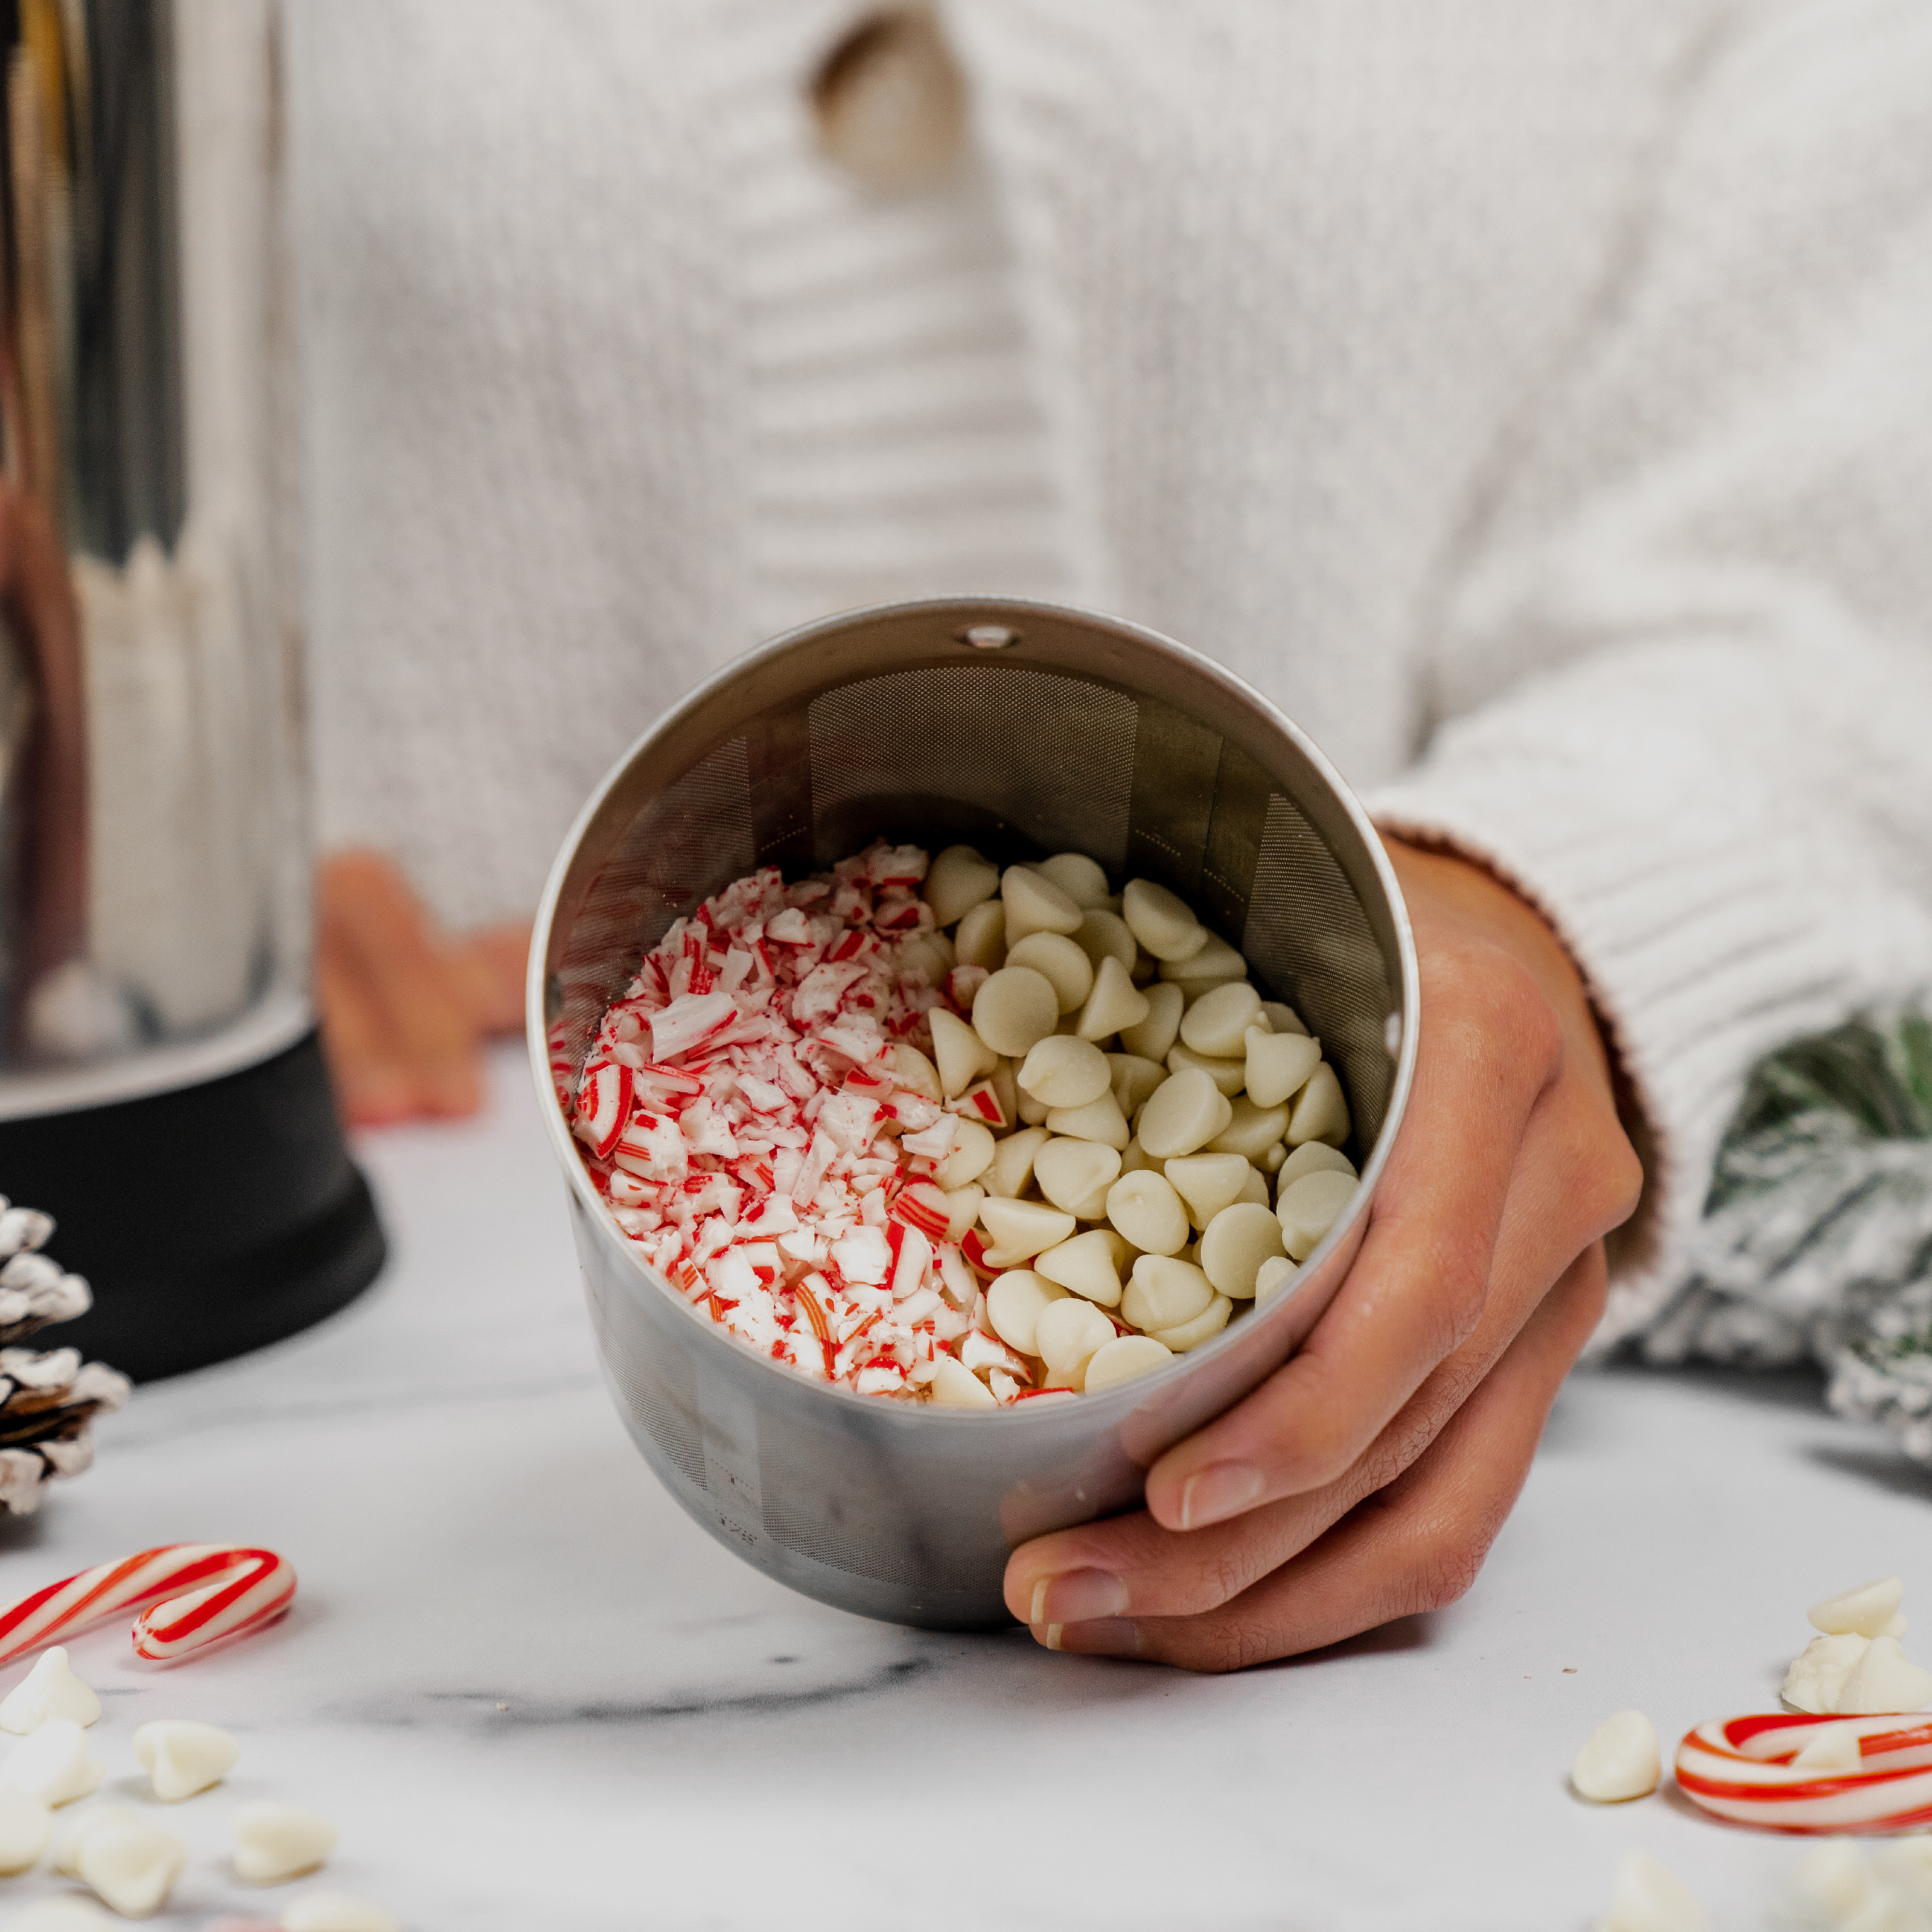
<point x="404" y="1008"/>
<point x="1366" y="1479"/>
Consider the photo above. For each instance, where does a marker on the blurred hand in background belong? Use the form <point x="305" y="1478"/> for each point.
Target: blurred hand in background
<point x="405" y="1007"/>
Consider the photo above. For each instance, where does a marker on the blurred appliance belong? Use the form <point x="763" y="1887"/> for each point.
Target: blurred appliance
<point x="162" y="1092"/>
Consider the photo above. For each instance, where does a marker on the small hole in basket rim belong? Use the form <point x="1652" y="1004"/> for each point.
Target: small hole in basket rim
<point x="989" y="636"/>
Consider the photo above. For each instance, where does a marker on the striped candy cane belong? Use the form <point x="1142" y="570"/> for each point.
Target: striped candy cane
<point x="239" y="1591"/>
<point x="1741" y="1768"/>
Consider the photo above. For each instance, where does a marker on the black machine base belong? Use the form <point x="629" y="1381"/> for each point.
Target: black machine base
<point x="209" y="1220"/>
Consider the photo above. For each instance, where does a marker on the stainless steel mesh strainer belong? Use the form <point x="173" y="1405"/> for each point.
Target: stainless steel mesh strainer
<point x="1026" y="729"/>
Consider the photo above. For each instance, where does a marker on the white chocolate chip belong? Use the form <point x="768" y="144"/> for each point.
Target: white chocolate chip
<point x="1227" y="1075"/>
<point x="1060" y="963"/>
<point x="1134" y="1081"/>
<point x="1885" y="1679"/>
<point x="1238" y="1240"/>
<point x="1255" y="1186"/>
<point x="1272" y="1277"/>
<point x="1022" y="1228"/>
<point x="1153" y="1037"/>
<point x="1163" y="922"/>
<point x="1069" y="1332"/>
<point x="1124" y="1358"/>
<point x="1819" y="1673"/>
<point x="981" y="939"/>
<point x="1104" y="935"/>
<point x="973" y="1148"/>
<point x="1311" y="1157"/>
<point x="1208" y="1183"/>
<point x="1216" y="1025"/>
<point x="1834" y="1884"/>
<point x="1320" y="1110"/>
<point x="1100" y="1119"/>
<point x="956" y="1386"/>
<point x="131" y="1865"/>
<point x="1649" y="1897"/>
<point x="1619" y="1760"/>
<point x="914" y="1072"/>
<point x="25" y="1825"/>
<point x="338" y="1911"/>
<point x="960" y="1054"/>
<point x="1868" y="1610"/>
<point x="1186" y="1112"/>
<point x="1204" y="1328"/>
<point x="957" y="880"/>
<point x="1281" y="1018"/>
<point x="1089" y="1264"/>
<point x="1253" y="1131"/>
<point x="1278" y="1065"/>
<point x="1213" y="964"/>
<point x="49" y="1690"/>
<point x="1078" y="877"/>
<point x="1114" y="1002"/>
<point x="82" y="1826"/>
<point x="1834" y="1748"/>
<point x="962" y="1207"/>
<point x="1145" y="1207"/>
<point x="1015" y="1009"/>
<point x="1011" y="1173"/>
<point x="52" y="1765"/>
<point x="1065" y="1071"/>
<point x="1309" y="1207"/>
<point x="1070" y="1172"/>
<point x="1165" y="1293"/>
<point x="274" y="1842"/>
<point x="182" y="1757"/>
<point x="1034" y="904"/>
<point x="1013" y="1305"/>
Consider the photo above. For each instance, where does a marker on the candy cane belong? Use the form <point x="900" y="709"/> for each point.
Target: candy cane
<point x="1741" y="1768"/>
<point x="240" y="1591"/>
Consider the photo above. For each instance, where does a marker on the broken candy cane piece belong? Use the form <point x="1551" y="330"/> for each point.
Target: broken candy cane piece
<point x="49" y="1690"/>
<point x="1651" y="1897"/>
<point x="52" y="1765"/>
<point x="690" y="1020"/>
<point x="603" y="1105"/>
<point x="1619" y="1760"/>
<point x="336" y="1912"/>
<point x="242" y="1590"/>
<point x="274" y="1842"/>
<point x="1867" y="1611"/>
<point x="181" y="1757"/>
<point x="1747" y="1769"/>
<point x="25" y="1825"/>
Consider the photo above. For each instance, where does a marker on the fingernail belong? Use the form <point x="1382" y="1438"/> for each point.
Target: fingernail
<point x="1221" y="1490"/>
<point x="1074" y="1595"/>
<point x="1102" y="1636"/>
<point x="1049" y="1634"/>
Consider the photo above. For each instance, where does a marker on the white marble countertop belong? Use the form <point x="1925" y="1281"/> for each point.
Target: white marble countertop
<point x="534" y="1695"/>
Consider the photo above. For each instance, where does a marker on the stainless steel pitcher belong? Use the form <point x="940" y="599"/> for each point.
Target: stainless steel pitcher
<point x="1027" y="729"/>
<point x="161" y="1091"/>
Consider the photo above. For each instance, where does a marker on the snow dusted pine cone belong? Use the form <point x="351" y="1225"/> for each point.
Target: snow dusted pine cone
<point x="46" y="1401"/>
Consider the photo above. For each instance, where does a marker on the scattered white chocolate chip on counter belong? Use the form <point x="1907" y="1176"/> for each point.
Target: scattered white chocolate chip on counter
<point x="52" y="1765"/>
<point x="1650" y="1897"/>
<point x="132" y="1865"/>
<point x="1885" y="1679"/>
<point x="1870" y="1610"/>
<point x="60" y="1914"/>
<point x="1858" y="1667"/>
<point x="276" y="1842"/>
<point x="336" y="1912"/>
<point x="25" y="1826"/>
<point x="1619" y="1760"/>
<point x="49" y="1690"/>
<point x="182" y="1757"/>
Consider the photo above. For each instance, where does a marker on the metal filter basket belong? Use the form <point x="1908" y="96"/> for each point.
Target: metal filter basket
<point x="1024" y="729"/>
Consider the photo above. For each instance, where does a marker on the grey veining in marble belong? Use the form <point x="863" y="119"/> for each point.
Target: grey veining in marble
<point x="534" y="1696"/>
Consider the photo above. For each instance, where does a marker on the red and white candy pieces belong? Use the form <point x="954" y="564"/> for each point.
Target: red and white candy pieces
<point x="838" y="1114"/>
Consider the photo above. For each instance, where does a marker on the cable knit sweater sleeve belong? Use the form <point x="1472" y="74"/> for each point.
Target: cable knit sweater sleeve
<point x="1684" y="677"/>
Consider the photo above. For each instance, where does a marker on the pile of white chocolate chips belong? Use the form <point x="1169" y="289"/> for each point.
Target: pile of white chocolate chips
<point x="945" y="1133"/>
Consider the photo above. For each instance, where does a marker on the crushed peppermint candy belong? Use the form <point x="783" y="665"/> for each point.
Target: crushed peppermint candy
<point x="910" y="1141"/>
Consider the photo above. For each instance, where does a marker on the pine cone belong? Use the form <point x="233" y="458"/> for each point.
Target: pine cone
<point x="46" y="1401"/>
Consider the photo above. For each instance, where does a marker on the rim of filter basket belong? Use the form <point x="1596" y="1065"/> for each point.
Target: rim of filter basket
<point x="956" y="615"/>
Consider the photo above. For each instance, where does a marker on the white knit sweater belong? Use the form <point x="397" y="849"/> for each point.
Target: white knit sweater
<point x="1533" y="397"/>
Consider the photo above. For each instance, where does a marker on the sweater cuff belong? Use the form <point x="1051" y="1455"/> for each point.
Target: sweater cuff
<point x="1712" y="918"/>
